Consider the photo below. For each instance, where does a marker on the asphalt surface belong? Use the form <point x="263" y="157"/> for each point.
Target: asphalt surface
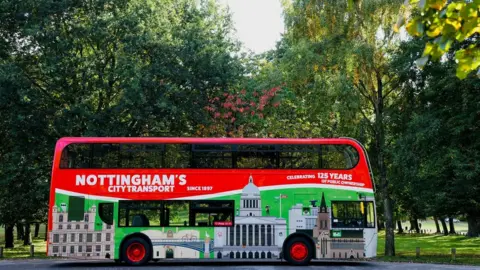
<point x="215" y="264"/>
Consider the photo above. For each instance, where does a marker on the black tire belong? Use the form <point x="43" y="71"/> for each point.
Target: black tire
<point x="130" y="254"/>
<point x="298" y="251"/>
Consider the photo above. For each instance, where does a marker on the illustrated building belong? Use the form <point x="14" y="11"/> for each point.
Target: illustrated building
<point x="70" y="238"/>
<point x="329" y="247"/>
<point x="299" y="219"/>
<point x="253" y="235"/>
<point x="317" y="220"/>
<point x="178" y="243"/>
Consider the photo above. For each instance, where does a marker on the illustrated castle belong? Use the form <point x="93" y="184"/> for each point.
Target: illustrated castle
<point x="71" y="238"/>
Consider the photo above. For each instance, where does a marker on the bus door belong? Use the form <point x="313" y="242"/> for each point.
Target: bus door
<point x="370" y="230"/>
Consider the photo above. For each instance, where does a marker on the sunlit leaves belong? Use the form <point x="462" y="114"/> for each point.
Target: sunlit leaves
<point x="468" y="60"/>
<point x="436" y="4"/>
<point x="415" y="28"/>
<point x="444" y="23"/>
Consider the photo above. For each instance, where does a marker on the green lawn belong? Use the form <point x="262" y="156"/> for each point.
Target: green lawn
<point x="433" y="248"/>
<point x="21" y="251"/>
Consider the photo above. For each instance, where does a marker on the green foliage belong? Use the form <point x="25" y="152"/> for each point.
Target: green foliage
<point x="444" y="23"/>
<point x="338" y="59"/>
<point x="22" y="110"/>
<point x="102" y="68"/>
<point x="435" y="123"/>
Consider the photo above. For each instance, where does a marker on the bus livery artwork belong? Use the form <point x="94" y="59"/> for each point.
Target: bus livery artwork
<point x="138" y="199"/>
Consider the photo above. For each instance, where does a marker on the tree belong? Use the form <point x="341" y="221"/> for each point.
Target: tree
<point x="403" y="175"/>
<point x="102" y="68"/>
<point x="442" y="23"/>
<point x="352" y="49"/>
<point x="24" y="158"/>
<point x="436" y="136"/>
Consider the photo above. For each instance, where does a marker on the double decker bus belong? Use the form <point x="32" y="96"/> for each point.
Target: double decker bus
<point x="135" y="200"/>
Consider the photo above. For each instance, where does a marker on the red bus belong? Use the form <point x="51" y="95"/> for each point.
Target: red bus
<point x="134" y="200"/>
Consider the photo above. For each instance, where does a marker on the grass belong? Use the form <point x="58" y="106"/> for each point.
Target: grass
<point x="20" y="251"/>
<point x="433" y="249"/>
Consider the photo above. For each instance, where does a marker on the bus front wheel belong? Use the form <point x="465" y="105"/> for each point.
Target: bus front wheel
<point x="298" y="251"/>
<point x="136" y="251"/>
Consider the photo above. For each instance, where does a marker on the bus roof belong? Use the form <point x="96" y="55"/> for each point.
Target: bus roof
<point x="68" y="140"/>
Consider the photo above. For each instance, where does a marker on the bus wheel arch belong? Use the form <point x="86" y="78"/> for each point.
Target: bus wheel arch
<point x="136" y="249"/>
<point x="298" y="249"/>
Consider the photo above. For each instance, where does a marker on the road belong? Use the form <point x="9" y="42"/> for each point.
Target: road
<point x="215" y="264"/>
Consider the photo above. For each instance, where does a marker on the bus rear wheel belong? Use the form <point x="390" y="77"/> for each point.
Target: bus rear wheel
<point x="299" y="251"/>
<point x="136" y="251"/>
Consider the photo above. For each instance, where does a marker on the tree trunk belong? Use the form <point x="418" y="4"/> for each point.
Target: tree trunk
<point x="399" y="225"/>
<point x="20" y="231"/>
<point x="473" y="226"/>
<point x="46" y="232"/>
<point x="383" y="189"/>
<point x="452" y="227"/>
<point x="380" y="225"/>
<point x="415" y="224"/>
<point x="436" y="224"/>
<point x="27" y="236"/>
<point x="9" y="236"/>
<point x="389" y="227"/>
<point x="444" y="226"/>
<point x="37" y="230"/>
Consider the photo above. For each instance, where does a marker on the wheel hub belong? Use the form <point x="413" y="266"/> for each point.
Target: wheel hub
<point x="136" y="252"/>
<point x="299" y="251"/>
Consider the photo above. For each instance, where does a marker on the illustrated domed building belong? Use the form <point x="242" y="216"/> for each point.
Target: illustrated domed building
<point x="253" y="236"/>
<point x="250" y="202"/>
